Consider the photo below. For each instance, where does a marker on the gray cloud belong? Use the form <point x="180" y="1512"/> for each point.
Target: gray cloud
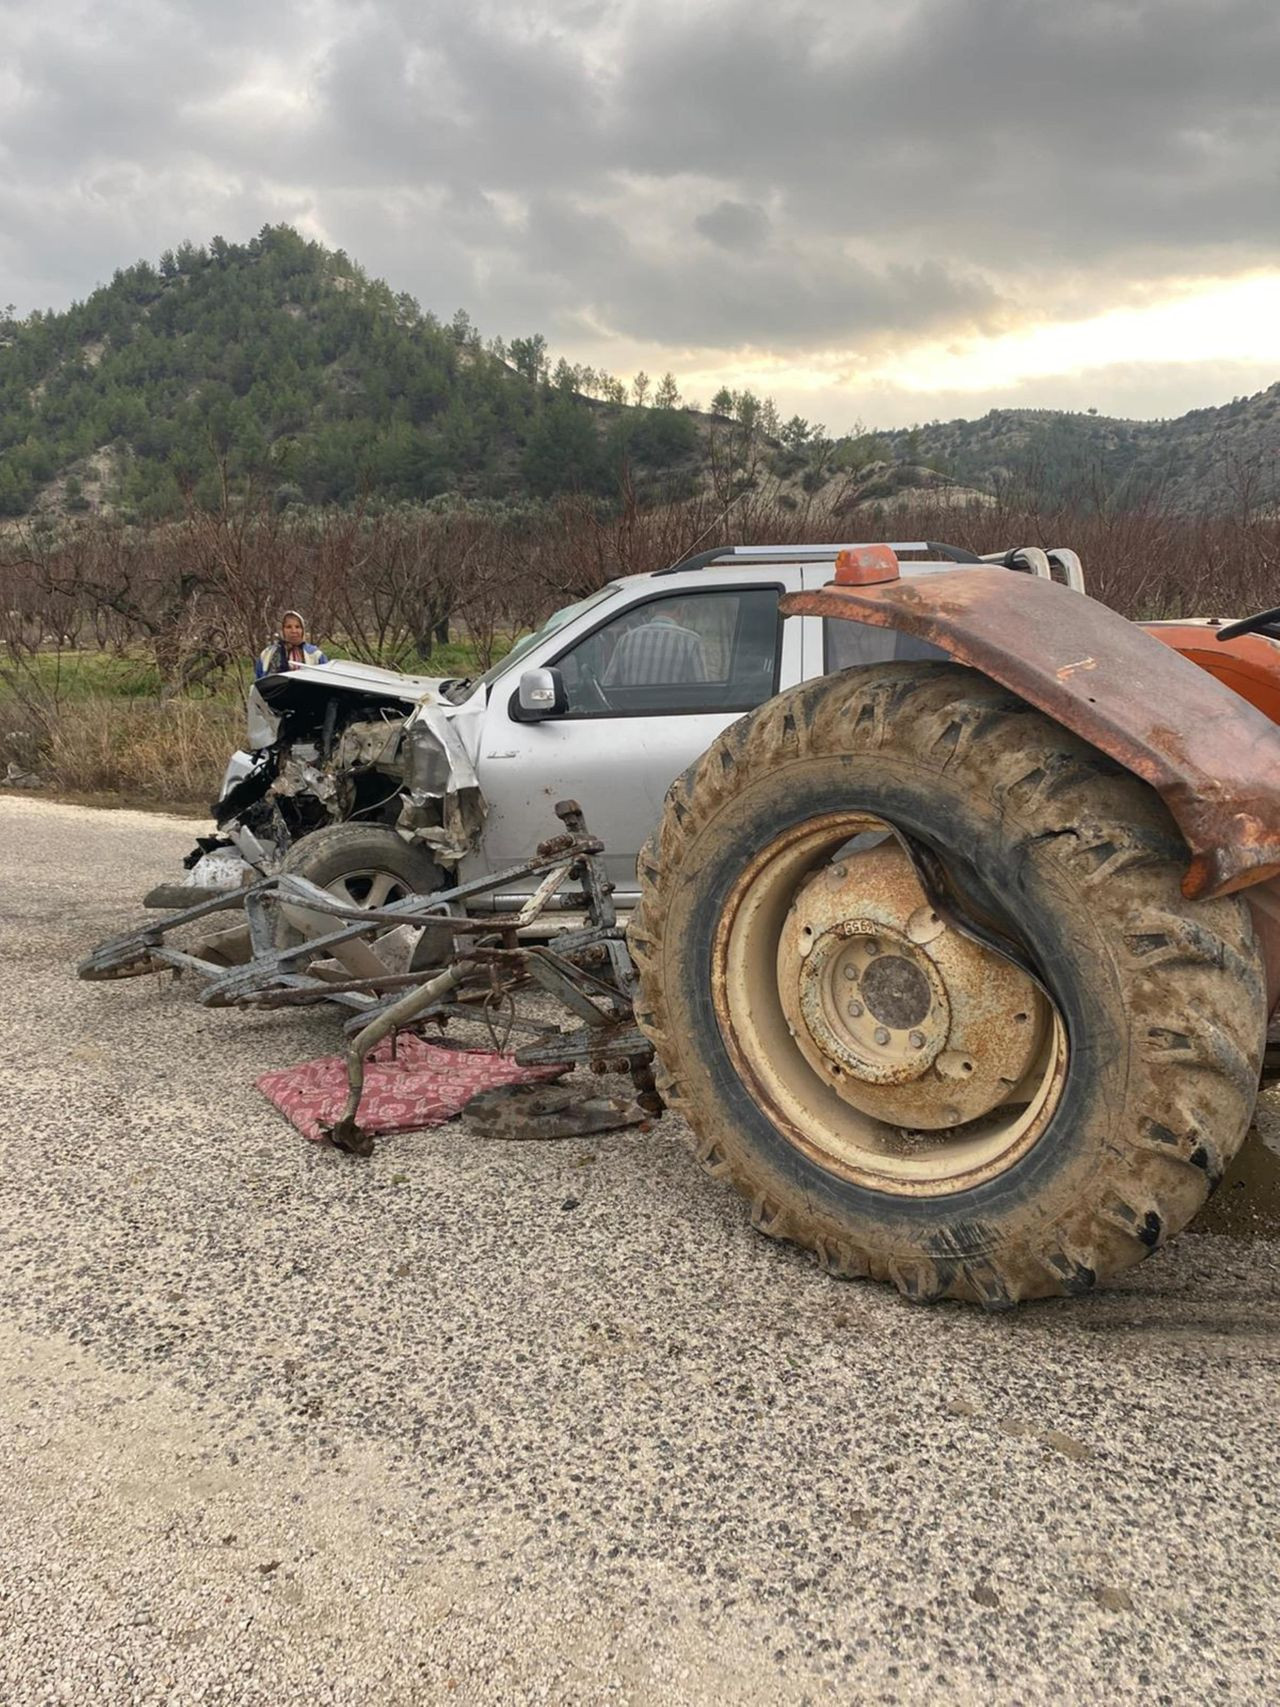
<point x="742" y="226"/>
<point x="777" y="297"/>
<point x="827" y="174"/>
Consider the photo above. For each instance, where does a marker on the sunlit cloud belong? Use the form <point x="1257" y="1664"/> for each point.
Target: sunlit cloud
<point x="1231" y="320"/>
<point x="1208" y="341"/>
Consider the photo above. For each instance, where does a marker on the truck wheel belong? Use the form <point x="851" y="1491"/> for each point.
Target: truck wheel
<point x="364" y="865"/>
<point x="1012" y="1083"/>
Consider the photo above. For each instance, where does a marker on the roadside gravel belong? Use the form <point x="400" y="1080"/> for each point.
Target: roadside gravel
<point x="282" y="1426"/>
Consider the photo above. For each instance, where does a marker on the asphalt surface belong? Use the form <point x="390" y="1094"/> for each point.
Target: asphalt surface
<point x="548" y="1422"/>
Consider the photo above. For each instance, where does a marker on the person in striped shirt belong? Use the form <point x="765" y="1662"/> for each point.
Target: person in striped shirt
<point x="658" y="652"/>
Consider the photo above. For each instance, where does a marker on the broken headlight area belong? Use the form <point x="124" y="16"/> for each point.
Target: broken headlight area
<point x="247" y="791"/>
<point x="443" y="806"/>
<point x="426" y="762"/>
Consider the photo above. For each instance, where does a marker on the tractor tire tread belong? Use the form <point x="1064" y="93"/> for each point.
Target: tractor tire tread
<point x="1198" y="961"/>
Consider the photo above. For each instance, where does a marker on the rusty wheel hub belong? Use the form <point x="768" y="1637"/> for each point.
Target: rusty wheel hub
<point x="872" y="1002"/>
<point x="907" y="1018"/>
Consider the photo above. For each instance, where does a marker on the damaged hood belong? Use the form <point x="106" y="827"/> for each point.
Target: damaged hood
<point x="273" y="696"/>
<point x="279" y="691"/>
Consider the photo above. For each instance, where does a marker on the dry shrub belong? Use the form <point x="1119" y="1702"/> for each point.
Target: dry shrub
<point x="1144" y="562"/>
<point x="200" y="598"/>
<point x="173" y="754"/>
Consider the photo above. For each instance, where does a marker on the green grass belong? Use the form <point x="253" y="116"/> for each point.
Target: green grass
<point x="458" y="658"/>
<point x="69" y="676"/>
<point x="84" y="675"/>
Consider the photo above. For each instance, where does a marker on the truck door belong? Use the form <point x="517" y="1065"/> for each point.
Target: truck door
<point x="646" y="691"/>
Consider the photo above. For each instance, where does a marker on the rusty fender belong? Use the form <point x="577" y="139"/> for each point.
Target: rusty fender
<point x="1213" y="758"/>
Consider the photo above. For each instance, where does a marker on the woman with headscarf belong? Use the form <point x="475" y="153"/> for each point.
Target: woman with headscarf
<point x="290" y="649"/>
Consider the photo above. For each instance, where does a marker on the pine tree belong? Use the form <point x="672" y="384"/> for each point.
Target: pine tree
<point x="667" y="396"/>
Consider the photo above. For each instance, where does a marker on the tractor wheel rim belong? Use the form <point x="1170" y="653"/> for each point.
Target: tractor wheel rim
<point x="884" y="1044"/>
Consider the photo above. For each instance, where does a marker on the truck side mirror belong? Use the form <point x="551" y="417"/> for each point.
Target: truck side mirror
<point x="540" y="694"/>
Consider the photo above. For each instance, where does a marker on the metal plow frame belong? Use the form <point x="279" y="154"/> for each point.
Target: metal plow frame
<point x="589" y="971"/>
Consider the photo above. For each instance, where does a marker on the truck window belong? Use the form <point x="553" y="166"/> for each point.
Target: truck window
<point x="852" y="645"/>
<point x="681" y="653"/>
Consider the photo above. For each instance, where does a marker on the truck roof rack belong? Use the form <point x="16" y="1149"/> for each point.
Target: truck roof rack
<point x="1057" y="564"/>
<point x="726" y="554"/>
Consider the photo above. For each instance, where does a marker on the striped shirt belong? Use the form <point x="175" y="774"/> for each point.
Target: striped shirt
<point x="658" y="653"/>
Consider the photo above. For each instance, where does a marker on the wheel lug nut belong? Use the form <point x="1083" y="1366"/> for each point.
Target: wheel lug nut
<point x="854" y="1010"/>
<point x="851" y="972"/>
<point x="882" y="1036"/>
<point x="916" y="1040"/>
<point x="873" y="947"/>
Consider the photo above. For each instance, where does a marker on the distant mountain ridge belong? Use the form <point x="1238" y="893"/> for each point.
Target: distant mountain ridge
<point x="281" y="362"/>
<point x="1221" y="459"/>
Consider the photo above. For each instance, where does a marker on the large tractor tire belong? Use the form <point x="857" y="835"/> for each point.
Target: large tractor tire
<point x="919" y="974"/>
<point x="364" y="865"/>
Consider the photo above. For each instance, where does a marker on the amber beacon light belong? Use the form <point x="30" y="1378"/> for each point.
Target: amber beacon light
<point x="864" y="565"/>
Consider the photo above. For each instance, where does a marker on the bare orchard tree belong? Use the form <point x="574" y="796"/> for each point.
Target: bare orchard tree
<point x="247" y="562"/>
<point x="414" y="568"/>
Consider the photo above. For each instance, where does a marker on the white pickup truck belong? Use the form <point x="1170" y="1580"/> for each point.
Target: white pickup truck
<point x="377" y="784"/>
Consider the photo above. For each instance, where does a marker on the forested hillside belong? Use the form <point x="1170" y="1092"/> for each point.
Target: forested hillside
<point x="280" y="359"/>
<point x="1222" y="459"/>
<point x="278" y="364"/>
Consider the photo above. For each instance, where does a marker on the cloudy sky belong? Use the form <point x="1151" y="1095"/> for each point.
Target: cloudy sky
<point x="875" y="210"/>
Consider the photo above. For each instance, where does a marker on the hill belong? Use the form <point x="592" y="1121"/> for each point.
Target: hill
<point x="1221" y="459"/>
<point x="280" y="359"/>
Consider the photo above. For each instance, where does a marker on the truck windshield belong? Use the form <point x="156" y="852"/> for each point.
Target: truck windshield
<point x="524" y="646"/>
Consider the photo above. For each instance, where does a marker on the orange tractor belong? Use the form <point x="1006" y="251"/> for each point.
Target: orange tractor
<point x="960" y="967"/>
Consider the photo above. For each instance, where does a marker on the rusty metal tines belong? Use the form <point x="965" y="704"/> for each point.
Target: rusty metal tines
<point x="346" y="1133"/>
<point x="588" y="970"/>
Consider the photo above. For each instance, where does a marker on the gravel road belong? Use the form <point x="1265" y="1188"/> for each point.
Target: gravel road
<point x="283" y="1426"/>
